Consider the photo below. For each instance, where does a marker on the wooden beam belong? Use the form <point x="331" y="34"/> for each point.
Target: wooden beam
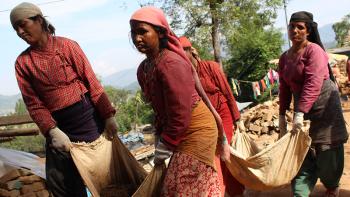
<point x="6" y="139"/>
<point x="13" y="120"/>
<point x="19" y="132"/>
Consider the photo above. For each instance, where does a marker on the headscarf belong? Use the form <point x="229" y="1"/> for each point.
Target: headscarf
<point x="185" y="42"/>
<point x="23" y="11"/>
<point x="156" y="17"/>
<point x="314" y="36"/>
<point x="308" y="18"/>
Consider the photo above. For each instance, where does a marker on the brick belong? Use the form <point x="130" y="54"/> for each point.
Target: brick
<point x="13" y="174"/>
<point x="42" y="193"/>
<point x="264" y="130"/>
<point x="255" y="128"/>
<point x="37" y="186"/>
<point x="10" y="185"/>
<point x="30" y="194"/>
<point x="29" y="179"/>
<point x="4" y="193"/>
<point x="14" y="193"/>
<point x="25" y="172"/>
<point x="267" y="117"/>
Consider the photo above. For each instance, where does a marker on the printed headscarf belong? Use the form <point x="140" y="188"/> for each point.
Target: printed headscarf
<point x="156" y="17"/>
<point x="308" y="18"/>
<point x="23" y="11"/>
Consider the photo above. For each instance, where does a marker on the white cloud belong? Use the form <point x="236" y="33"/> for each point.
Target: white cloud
<point x="116" y="59"/>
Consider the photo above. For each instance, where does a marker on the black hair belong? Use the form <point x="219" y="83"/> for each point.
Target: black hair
<point x="48" y="27"/>
<point x="163" y="42"/>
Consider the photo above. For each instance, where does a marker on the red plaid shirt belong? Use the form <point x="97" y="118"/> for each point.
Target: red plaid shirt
<point x="56" y="77"/>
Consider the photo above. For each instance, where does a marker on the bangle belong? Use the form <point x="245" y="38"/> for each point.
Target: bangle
<point x="224" y="140"/>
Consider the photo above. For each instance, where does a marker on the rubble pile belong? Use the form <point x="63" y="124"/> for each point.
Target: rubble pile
<point x="22" y="183"/>
<point x="262" y="119"/>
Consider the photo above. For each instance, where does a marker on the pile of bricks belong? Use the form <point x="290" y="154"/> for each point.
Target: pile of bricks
<point x="22" y="183"/>
<point x="263" y="118"/>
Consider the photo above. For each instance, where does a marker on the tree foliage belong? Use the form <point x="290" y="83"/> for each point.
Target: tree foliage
<point x="341" y="30"/>
<point x="131" y="108"/>
<point x="246" y="32"/>
<point x="20" y="108"/>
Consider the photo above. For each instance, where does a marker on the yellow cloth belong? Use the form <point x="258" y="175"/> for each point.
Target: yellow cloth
<point x="201" y="137"/>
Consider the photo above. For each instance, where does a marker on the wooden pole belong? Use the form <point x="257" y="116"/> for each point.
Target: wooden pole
<point x="19" y="132"/>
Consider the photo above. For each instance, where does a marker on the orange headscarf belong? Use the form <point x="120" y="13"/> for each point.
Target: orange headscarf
<point x="155" y="16"/>
<point x="185" y="43"/>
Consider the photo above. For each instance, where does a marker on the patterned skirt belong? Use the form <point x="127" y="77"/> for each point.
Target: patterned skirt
<point x="187" y="176"/>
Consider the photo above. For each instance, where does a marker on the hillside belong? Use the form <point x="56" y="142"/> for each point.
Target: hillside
<point x="8" y="103"/>
<point x="125" y="79"/>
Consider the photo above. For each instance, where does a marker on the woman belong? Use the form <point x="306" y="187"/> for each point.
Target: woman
<point x="219" y="92"/>
<point x="62" y="95"/>
<point x="305" y="75"/>
<point x="185" y="126"/>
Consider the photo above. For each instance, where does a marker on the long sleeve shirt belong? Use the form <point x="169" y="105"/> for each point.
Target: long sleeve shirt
<point x="56" y="77"/>
<point x="215" y="84"/>
<point x="303" y="76"/>
<point x="169" y="87"/>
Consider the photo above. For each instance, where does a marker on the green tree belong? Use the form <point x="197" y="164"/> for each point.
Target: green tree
<point x="131" y="108"/>
<point x="20" y="108"/>
<point x="341" y="30"/>
<point x="116" y="96"/>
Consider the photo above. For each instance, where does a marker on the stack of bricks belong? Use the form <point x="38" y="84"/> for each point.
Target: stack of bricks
<point x="262" y="119"/>
<point x="22" y="183"/>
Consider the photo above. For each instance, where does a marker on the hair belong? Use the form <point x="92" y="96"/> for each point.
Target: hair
<point x="163" y="42"/>
<point x="48" y="27"/>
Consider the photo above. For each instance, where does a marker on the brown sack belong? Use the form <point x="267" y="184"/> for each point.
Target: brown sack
<point x="152" y="185"/>
<point x="272" y="167"/>
<point x="104" y="163"/>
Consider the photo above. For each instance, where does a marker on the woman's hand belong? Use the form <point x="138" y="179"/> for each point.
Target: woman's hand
<point x="225" y="152"/>
<point x="111" y="127"/>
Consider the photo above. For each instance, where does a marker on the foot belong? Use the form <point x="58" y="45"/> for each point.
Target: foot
<point x="332" y="192"/>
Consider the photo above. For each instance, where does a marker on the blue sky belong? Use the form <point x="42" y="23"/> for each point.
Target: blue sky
<point x="101" y="27"/>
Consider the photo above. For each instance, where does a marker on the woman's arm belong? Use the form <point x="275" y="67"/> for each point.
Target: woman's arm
<point x="36" y="108"/>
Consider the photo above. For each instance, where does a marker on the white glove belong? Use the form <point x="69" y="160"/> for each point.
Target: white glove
<point x="161" y="153"/>
<point x="282" y="125"/>
<point x="298" y="122"/>
<point x="111" y="127"/>
<point x="60" y="140"/>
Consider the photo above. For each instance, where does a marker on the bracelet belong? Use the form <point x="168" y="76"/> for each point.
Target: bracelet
<point x="224" y="140"/>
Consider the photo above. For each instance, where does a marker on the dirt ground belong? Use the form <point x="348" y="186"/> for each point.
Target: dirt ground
<point x="319" y="189"/>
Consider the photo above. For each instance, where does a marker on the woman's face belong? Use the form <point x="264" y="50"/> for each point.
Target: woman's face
<point x="145" y="38"/>
<point x="297" y="32"/>
<point x="29" y="30"/>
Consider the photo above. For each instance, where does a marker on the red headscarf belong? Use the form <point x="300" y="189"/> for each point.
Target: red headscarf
<point x="185" y="43"/>
<point x="155" y="16"/>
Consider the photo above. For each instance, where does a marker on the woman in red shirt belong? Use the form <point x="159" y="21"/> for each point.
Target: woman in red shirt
<point x="219" y="92"/>
<point x="185" y="126"/>
<point x="62" y="94"/>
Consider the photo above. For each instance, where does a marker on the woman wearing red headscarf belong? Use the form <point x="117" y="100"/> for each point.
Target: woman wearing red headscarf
<point x="185" y="126"/>
<point x="218" y="90"/>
